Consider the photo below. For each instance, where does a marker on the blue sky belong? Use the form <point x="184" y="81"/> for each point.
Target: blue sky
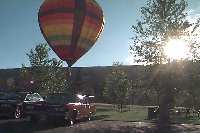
<point x="19" y="32"/>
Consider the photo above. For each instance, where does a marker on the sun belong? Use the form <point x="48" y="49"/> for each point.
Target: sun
<point x="176" y="49"/>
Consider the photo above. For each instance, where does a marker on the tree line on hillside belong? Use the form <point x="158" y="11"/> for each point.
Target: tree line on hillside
<point x="148" y="88"/>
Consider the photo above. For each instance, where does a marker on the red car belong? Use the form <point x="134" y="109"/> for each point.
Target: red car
<point x="57" y="106"/>
<point x="82" y="108"/>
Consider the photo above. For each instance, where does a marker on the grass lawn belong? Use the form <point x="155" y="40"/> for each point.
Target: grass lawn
<point x="136" y="113"/>
<point x="132" y="113"/>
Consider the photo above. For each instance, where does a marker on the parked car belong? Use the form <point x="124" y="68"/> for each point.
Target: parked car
<point x="9" y="102"/>
<point x="30" y="99"/>
<point x="58" y="106"/>
<point x="84" y="107"/>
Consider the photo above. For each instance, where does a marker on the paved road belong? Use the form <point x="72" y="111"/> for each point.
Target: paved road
<point x="97" y="126"/>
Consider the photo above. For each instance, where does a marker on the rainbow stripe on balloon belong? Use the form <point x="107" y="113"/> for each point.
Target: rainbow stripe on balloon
<point x="71" y="27"/>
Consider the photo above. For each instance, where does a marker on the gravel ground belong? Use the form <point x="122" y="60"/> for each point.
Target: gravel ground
<point x="112" y="126"/>
<point x="128" y="127"/>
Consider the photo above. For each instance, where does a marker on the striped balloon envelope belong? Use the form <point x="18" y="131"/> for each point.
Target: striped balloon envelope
<point x="70" y="27"/>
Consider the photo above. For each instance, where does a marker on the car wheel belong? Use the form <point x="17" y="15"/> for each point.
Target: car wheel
<point x="18" y="113"/>
<point x="72" y="118"/>
<point x="90" y="117"/>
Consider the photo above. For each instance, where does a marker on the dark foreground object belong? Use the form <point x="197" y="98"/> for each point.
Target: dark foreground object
<point x="97" y="126"/>
<point x="9" y="102"/>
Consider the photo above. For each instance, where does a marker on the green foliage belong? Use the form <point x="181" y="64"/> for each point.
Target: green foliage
<point x="47" y="74"/>
<point x="39" y="56"/>
<point x="191" y="85"/>
<point x="116" y="86"/>
<point x="160" y="21"/>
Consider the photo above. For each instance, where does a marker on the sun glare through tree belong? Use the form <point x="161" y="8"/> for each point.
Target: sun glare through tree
<point x="176" y="49"/>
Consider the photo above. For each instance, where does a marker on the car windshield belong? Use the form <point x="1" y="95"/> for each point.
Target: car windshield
<point x="34" y="97"/>
<point x="59" y="99"/>
<point x="9" y="96"/>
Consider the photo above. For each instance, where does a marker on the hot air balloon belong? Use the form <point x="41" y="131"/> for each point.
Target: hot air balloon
<point x="70" y="27"/>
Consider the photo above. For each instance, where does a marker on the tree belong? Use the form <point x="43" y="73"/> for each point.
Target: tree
<point x="132" y="91"/>
<point x="44" y="75"/>
<point x="116" y="86"/>
<point x="161" y="21"/>
<point x="192" y="84"/>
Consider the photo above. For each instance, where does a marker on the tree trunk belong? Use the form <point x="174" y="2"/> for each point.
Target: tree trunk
<point x="132" y="99"/>
<point x="157" y="98"/>
<point x="121" y="107"/>
<point x="164" y="117"/>
<point x="167" y="81"/>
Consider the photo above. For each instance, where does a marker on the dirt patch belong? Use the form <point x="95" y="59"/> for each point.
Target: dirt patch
<point x="100" y="126"/>
<point x="112" y="126"/>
